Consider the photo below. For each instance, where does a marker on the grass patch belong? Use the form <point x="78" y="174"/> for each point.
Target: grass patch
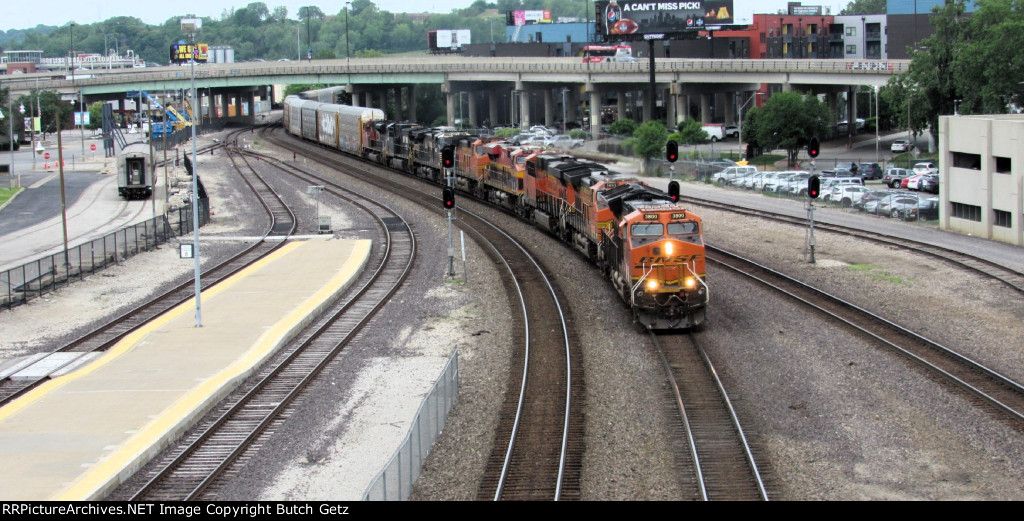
<point x="7" y="193"/>
<point x="881" y="275"/>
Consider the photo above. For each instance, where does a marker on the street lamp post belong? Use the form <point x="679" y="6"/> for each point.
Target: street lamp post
<point x="191" y="26"/>
<point x="347" y="5"/>
<point x="309" y="46"/>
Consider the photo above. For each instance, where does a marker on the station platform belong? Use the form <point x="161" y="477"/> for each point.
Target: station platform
<point x="78" y="436"/>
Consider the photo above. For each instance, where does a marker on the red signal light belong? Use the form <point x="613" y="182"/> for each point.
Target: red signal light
<point x="448" y="198"/>
<point x="671" y="151"/>
<point x="448" y="157"/>
<point x="813" y="187"/>
<point x="673" y="191"/>
<point x="813" y="148"/>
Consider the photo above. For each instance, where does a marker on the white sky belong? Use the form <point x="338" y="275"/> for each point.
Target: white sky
<point x="13" y="15"/>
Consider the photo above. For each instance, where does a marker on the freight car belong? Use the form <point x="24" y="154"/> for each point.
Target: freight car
<point x="648" y="245"/>
<point x="134" y="175"/>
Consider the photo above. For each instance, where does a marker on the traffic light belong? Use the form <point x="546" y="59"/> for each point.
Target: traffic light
<point x="671" y="151"/>
<point x="813" y="148"/>
<point x="673" y="190"/>
<point x="448" y="157"/>
<point x="813" y="186"/>
<point x="448" y="198"/>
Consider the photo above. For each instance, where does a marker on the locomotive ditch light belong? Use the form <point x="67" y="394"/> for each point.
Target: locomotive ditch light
<point x="448" y="198"/>
<point x="813" y="187"/>
<point x="652" y="285"/>
<point x="690" y="282"/>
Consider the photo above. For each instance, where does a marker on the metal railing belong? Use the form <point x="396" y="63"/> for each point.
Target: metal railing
<point x="394" y="483"/>
<point x="44" y="275"/>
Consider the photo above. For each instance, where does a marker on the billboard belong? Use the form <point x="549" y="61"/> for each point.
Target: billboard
<point x="453" y="38"/>
<point x="182" y="52"/>
<point x="531" y="17"/>
<point x="618" y="20"/>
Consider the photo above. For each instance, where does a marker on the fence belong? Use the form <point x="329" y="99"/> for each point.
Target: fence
<point x="36" y="278"/>
<point x="395" y="482"/>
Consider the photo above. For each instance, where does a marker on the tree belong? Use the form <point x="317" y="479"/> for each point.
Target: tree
<point x="692" y="132"/>
<point x="989" y="67"/>
<point x="650" y="140"/>
<point x="864" y="7"/>
<point x="787" y="120"/>
<point x="622" y="127"/>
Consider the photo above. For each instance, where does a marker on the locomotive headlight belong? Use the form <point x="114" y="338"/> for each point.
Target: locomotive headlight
<point x="669" y="248"/>
<point x="690" y="282"/>
<point x="652" y="285"/>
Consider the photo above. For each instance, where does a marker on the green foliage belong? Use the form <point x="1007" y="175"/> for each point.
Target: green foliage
<point x="864" y="7"/>
<point x="691" y="132"/>
<point x="650" y="139"/>
<point x="95" y="116"/>
<point x="506" y="132"/>
<point x="628" y="146"/>
<point x="577" y="133"/>
<point x="787" y="120"/>
<point x="622" y="127"/>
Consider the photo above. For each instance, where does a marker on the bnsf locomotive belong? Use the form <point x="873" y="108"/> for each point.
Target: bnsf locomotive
<point x="647" y="244"/>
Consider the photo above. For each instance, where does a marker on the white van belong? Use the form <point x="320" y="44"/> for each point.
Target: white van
<point x="715" y="132"/>
<point x="730" y="173"/>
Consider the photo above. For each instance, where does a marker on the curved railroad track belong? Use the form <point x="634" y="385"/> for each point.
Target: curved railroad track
<point x="986" y="385"/>
<point x="1007" y="275"/>
<point x="714" y="449"/>
<point x="282" y="221"/>
<point x="538" y="448"/>
<point x="191" y="469"/>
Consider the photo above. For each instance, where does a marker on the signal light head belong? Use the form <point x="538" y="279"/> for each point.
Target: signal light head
<point x="813" y="148"/>
<point x="448" y="198"/>
<point x="671" y="151"/>
<point x="448" y="157"/>
<point x="813" y="187"/>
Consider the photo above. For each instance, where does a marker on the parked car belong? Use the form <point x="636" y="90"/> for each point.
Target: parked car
<point x="894" y="176"/>
<point x="914" y="183"/>
<point x="846" y="195"/>
<point x="564" y="141"/>
<point x="909" y="207"/>
<point x="705" y="170"/>
<point x="795" y="185"/>
<point x="871" y="196"/>
<point x="901" y="145"/>
<point x="929" y="183"/>
<point x="851" y="167"/>
<point x="870" y="171"/>
<point x="925" y="167"/>
<point x="828" y="184"/>
<point x="905" y="183"/>
<point x="732" y="172"/>
<point x="777" y="181"/>
<point x="731" y="131"/>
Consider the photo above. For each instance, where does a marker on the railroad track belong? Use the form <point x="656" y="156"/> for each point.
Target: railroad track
<point x="225" y="437"/>
<point x="282" y="223"/>
<point x="1004" y="274"/>
<point x="715" y="450"/>
<point x="986" y="385"/>
<point x="538" y="447"/>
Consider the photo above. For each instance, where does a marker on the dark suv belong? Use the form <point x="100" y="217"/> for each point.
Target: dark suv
<point x="849" y="167"/>
<point x="870" y="171"/>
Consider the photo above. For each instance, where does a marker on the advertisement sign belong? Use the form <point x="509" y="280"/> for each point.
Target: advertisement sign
<point x="618" y="20"/>
<point x="182" y="52"/>
<point x="452" y="39"/>
<point x="81" y="118"/>
<point x="532" y="17"/>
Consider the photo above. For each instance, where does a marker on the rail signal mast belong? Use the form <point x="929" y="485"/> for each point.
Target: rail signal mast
<point x="813" y="190"/>
<point x="448" y="201"/>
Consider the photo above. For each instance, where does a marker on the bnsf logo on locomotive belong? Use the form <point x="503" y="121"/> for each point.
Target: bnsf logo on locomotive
<point x="677" y="259"/>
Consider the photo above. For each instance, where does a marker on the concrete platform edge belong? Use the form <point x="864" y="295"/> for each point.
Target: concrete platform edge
<point x="103" y="477"/>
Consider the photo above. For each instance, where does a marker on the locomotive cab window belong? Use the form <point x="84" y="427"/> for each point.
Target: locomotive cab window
<point x="688" y="231"/>
<point x="647" y="230"/>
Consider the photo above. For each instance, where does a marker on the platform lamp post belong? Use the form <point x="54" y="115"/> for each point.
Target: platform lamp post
<point x="191" y="26"/>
